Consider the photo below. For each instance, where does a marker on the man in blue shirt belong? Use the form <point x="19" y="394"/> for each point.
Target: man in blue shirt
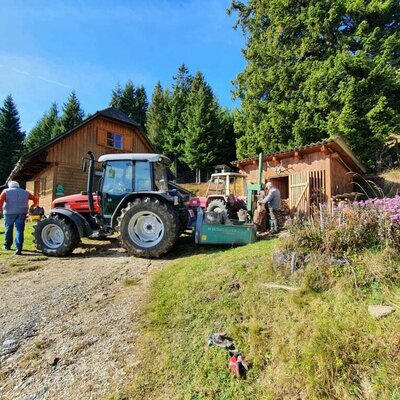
<point x="273" y="200"/>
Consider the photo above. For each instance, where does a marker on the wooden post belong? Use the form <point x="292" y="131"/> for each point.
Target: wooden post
<point x="328" y="179"/>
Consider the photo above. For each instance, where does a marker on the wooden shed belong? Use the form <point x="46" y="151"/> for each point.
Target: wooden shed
<point x="307" y="175"/>
<point x="54" y="169"/>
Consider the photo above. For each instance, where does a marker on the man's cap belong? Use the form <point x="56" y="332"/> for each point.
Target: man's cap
<point x="13" y="184"/>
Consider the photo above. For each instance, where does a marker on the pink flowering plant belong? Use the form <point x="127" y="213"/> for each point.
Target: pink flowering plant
<point x="350" y="226"/>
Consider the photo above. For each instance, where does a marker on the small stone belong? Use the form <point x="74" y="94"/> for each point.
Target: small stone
<point x="379" y="311"/>
<point x="54" y="361"/>
<point x="93" y="340"/>
<point x="282" y="258"/>
<point x="340" y="262"/>
<point x="9" y="346"/>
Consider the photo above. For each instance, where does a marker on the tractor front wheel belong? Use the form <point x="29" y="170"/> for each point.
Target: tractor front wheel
<point x="148" y="227"/>
<point x="217" y="205"/>
<point x="56" y="236"/>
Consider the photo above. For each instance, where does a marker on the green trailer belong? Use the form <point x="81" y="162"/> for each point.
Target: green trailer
<point x="235" y="234"/>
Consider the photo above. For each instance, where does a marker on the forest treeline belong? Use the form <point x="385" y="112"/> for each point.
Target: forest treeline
<point x="315" y="70"/>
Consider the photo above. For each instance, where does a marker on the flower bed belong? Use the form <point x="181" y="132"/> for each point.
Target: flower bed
<point x="347" y="227"/>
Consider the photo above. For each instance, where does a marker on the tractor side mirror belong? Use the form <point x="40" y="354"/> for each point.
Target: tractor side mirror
<point x="83" y="165"/>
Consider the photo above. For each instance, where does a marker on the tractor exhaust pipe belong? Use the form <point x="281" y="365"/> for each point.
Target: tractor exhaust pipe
<point x="90" y="181"/>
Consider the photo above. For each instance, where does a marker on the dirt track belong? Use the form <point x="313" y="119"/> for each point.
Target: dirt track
<point x="68" y="326"/>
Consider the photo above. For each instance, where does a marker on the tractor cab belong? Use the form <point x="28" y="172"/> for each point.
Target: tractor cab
<point x="224" y="184"/>
<point x="124" y="174"/>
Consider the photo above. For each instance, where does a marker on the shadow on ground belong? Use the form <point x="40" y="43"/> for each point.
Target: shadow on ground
<point x="185" y="247"/>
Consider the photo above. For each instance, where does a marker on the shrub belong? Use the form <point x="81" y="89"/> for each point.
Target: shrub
<point x="350" y="227"/>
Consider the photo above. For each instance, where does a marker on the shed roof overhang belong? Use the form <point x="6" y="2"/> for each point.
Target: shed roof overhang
<point x="26" y="170"/>
<point x="333" y="146"/>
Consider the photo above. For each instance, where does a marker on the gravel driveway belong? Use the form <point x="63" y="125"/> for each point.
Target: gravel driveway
<point x="68" y="326"/>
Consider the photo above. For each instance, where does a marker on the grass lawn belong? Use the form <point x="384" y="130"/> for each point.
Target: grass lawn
<point x="307" y="344"/>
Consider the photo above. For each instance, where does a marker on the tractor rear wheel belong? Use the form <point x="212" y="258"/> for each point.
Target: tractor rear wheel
<point x="217" y="205"/>
<point x="56" y="236"/>
<point x="148" y="227"/>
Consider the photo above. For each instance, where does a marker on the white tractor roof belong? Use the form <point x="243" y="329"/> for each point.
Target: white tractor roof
<point x="222" y="174"/>
<point x="135" y="157"/>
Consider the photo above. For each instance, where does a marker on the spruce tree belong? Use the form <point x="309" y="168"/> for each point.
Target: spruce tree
<point x="127" y="100"/>
<point x="11" y="138"/>
<point x="227" y="137"/>
<point x="131" y="101"/>
<point x="116" y="97"/>
<point x="141" y="106"/>
<point x="202" y="131"/>
<point x="174" y="137"/>
<point x="157" y="117"/>
<point x="45" y="129"/>
<point x="318" y="69"/>
<point x="72" y="114"/>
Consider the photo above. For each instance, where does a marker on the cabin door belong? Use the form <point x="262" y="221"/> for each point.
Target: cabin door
<point x="306" y="188"/>
<point x="299" y="192"/>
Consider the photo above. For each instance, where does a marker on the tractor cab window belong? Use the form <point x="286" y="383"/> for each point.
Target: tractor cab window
<point x="142" y="176"/>
<point x="160" y="177"/>
<point x="217" y="185"/>
<point x="118" y="178"/>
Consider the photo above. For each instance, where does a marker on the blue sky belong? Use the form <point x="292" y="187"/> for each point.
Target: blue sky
<point x="49" y="48"/>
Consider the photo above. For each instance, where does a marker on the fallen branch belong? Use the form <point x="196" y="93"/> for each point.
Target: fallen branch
<point x="283" y="287"/>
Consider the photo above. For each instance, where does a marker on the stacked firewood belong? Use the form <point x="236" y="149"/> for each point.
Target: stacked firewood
<point x="285" y="211"/>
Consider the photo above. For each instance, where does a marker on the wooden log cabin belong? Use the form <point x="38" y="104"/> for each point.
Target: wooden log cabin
<point x="54" y="169"/>
<point x="307" y="175"/>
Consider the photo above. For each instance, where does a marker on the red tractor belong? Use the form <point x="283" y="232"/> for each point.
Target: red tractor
<point x="133" y="199"/>
<point x="226" y="192"/>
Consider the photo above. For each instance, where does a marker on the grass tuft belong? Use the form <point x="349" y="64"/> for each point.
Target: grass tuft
<point x="131" y="282"/>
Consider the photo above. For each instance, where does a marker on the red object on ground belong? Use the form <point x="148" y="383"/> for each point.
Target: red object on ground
<point x="238" y="365"/>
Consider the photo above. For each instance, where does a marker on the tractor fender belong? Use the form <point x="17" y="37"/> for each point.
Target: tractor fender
<point x="131" y="197"/>
<point x="80" y="222"/>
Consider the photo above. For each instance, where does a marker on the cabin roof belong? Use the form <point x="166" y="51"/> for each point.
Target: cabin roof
<point x="336" y="145"/>
<point x="33" y="162"/>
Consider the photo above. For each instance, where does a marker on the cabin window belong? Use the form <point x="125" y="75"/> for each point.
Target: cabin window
<point x="114" y="140"/>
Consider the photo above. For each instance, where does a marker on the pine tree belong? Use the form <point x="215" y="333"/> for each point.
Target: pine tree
<point x="11" y="138"/>
<point x="157" y="117"/>
<point x="72" y="114"/>
<point x="127" y="100"/>
<point x="202" y="131"/>
<point x="45" y="129"/>
<point x="318" y="69"/>
<point x="174" y="137"/>
<point x="131" y="101"/>
<point x="227" y="136"/>
<point x="116" y="97"/>
<point x="141" y="106"/>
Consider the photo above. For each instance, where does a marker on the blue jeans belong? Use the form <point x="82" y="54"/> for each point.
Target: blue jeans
<point x="19" y="221"/>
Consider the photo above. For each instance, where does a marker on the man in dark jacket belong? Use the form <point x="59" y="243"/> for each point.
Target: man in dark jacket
<point x="273" y="200"/>
<point x="15" y="204"/>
